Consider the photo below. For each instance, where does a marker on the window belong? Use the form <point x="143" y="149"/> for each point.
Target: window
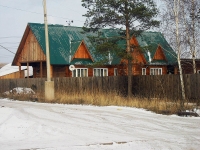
<point x="143" y="71"/>
<point x="156" y="71"/>
<point x="80" y="72"/>
<point x="115" y="72"/>
<point x="100" y="72"/>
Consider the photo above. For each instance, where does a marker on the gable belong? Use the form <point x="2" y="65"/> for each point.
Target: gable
<point x="159" y="55"/>
<point x="134" y="41"/>
<point x="158" y="48"/>
<point x="137" y="55"/>
<point x="31" y="50"/>
<point x="82" y="52"/>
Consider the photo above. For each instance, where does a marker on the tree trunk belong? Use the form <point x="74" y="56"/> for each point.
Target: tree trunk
<point x="193" y="37"/>
<point x="128" y="49"/>
<point x="129" y="63"/>
<point x="176" y="14"/>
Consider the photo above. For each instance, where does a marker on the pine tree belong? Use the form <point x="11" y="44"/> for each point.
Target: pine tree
<point x="134" y="16"/>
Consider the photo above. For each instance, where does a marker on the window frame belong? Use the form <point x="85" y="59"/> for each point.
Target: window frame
<point x="115" y="72"/>
<point x="76" y="75"/>
<point x="100" y="73"/>
<point x="144" y="70"/>
<point x="159" y="70"/>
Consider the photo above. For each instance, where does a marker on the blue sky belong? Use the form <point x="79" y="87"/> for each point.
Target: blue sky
<point x="15" y="14"/>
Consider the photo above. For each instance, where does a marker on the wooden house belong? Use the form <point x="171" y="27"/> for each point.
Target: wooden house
<point x="12" y="72"/>
<point x="72" y="46"/>
<point x="187" y="66"/>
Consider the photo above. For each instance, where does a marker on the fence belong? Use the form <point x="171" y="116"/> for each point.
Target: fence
<point x="165" y="86"/>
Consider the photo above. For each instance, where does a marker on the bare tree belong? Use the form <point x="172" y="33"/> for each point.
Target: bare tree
<point x="173" y="30"/>
<point x="191" y="26"/>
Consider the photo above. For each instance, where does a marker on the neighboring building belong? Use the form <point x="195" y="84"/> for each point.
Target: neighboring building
<point x="72" y="46"/>
<point x="187" y="66"/>
<point x="2" y="64"/>
<point x="11" y="72"/>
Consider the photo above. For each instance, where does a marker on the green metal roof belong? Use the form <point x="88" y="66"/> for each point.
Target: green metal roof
<point x="65" y="40"/>
<point x="153" y="39"/>
<point x="81" y="61"/>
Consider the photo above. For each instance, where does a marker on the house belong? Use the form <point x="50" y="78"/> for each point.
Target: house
<point x="72" y="47"/>
<point x="11" y="72"/>
<point x="187" y="66"/>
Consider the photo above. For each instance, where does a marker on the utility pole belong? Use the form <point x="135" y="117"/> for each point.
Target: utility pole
<point x="49" y="85"/>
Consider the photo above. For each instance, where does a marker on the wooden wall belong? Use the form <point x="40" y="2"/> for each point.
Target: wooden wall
<point x="82" y="52"/>
<point x="63" y="71"/>
<point x="187" y="66"/>
<point x="159" y="55"/>
<point x="163" y="87"/>
<point x="14" y="75"/>
<point x="31" y="51"/>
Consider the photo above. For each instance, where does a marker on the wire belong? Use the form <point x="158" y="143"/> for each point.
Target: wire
<point x="7" y="49"/>
<point x="10" y="37"/>
<point x="39" y="13"/>
<point x="10" y="43"/>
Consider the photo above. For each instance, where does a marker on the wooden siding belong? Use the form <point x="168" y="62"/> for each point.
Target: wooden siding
<point x="164" y="69"/>
<point x="159" y="55"/>
<point x="31" y="50"/>
<point x="134" y="41"/>
<point x="82" y="52"/>
<point x="63" y="71"/>
<point x="137" y="55"/>
<point x="14" y="75"/>
<point x="187" y="66"/>
<point x="37" y="72"/>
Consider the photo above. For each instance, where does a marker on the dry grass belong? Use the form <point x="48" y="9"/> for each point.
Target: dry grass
<point x="114" y="99"/>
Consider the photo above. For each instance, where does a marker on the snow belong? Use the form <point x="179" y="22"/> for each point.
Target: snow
<point x="41" y="126"/>
<point x="8" y="69"/>
<point x="19" y="91"/>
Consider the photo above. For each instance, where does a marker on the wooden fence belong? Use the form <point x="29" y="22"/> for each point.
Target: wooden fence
<point x="165" y="86"/>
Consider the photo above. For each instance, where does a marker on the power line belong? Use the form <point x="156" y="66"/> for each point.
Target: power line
<point x="10" y="37"/>
<point x="10" y="43"/>
<point x="39" y="13"/>
<point x="7" y="49"/>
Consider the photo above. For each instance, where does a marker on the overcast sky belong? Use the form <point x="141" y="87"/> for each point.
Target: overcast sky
<point x="15" y="14"/>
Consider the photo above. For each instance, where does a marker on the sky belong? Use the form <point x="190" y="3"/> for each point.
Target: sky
<point x="16" y="14"/>
<point x="31" y="125"/>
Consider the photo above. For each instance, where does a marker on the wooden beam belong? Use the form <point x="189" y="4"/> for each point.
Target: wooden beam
<point x="41" y="70"/>
<point x="27" y="70"/>
<point x="20" y="70"/>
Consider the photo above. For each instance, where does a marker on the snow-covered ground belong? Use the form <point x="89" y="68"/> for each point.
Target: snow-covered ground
<point x="39" y="126"/>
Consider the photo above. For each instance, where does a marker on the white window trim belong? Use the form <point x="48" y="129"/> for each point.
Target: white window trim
<point x="145" y="70"/>
<point x="76" y="75"/>
<point x="115" y="72"/>
<point x="154" y="71"/>
<point x="100" y="69"/>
